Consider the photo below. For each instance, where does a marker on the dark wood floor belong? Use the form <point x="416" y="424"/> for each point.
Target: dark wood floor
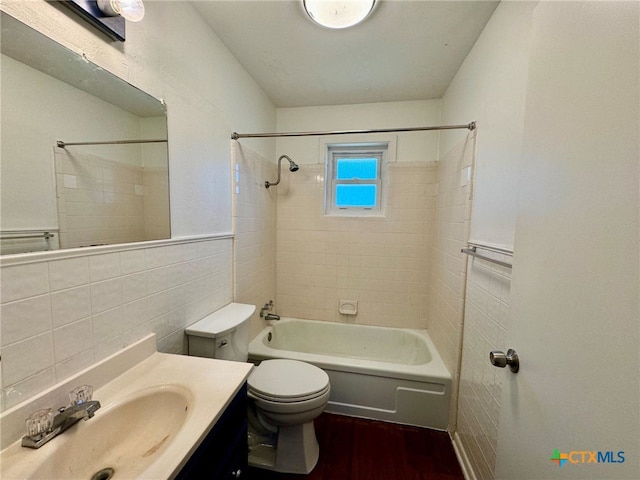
<point x="357" y="449"/>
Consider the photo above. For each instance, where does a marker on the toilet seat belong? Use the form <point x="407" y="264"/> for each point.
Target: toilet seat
<point x="287" y="381"/>
<point x="271" y="398"/>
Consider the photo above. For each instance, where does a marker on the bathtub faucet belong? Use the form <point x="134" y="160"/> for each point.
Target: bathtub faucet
<point x="268" y="315"/>
<point x="267" y="308"/>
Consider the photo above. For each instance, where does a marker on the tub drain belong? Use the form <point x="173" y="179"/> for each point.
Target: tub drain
<point x="104" y="474"/>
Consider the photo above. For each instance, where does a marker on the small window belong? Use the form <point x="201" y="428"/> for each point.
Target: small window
<point x="354" y="179"/>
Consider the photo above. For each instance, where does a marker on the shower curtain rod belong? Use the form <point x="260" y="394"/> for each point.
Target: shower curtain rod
<point x="236" y="136"/>
<point x="62" y="144"/>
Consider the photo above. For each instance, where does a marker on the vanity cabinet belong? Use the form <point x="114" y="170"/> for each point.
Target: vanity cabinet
<point x="223" y="454"/>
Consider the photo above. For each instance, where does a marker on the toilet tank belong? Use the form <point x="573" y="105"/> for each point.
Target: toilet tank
<point x="223" y="334"/>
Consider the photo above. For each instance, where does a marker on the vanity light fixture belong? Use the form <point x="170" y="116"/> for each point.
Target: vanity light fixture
<point x="132" y="10"/>
<point x="338" y="14"/>
<point x="108" y="16"/>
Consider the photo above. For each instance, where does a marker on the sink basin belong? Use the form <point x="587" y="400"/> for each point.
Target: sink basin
<point x="122" y="439"/>
<point x="156" y="410"/>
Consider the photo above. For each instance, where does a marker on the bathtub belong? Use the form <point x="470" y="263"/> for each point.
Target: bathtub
<point x="389" y="374"/>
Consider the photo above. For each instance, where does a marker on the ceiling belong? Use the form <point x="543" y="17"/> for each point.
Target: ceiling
<point x="405" y="50"/>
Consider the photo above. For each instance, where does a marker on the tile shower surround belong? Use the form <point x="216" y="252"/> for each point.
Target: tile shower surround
<point x="448" y="272"/>
<point x="60" y="316"/>
<point x="382" y="262"/>
<point x="102" y="201"/>
<point x="254" y="218"/>
<point x="486" y="316"/>
<point x="405" y="269"/>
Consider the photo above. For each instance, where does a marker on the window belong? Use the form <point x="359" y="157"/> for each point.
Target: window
<point x="354" y="178"/>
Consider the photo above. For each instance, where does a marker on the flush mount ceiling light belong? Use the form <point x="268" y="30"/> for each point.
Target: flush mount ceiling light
<point x="132" y="10"/>
<point x="338" y="14"/>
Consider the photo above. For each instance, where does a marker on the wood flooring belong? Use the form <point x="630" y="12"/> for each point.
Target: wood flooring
<point x="358" y="449"/>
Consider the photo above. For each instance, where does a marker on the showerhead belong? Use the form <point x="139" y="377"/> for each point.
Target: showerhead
<point x="293" y="167"/>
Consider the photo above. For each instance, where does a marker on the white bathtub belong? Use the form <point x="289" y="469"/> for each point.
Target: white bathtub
<point x="389" y="374"/>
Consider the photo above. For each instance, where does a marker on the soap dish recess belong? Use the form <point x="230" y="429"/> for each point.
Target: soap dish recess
<point x="348" y="307"/>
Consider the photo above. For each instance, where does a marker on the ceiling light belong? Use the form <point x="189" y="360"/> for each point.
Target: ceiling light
<point x="132" y="10"/>
<point x="338" y="14"/>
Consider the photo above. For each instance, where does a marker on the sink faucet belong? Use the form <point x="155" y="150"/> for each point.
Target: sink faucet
<point x="42" y="426"/>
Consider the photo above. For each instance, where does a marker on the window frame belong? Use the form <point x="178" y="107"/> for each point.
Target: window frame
<point x="378" y="150"/>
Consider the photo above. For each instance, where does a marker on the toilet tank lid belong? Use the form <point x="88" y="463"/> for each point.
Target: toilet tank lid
<point x="221" y="321"/>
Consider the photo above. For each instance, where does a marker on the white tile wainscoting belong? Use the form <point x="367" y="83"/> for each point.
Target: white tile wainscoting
<point x="480" y="390"/>
<point x="60" y="315"/>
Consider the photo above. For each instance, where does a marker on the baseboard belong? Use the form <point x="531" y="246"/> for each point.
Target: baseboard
<point x="463" y="459"/>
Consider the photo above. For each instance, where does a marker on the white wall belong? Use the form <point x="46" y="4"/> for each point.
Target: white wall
<point x="173" y="55"/>
<point x="554" y="86"/>
<point x="490" y="88"/>
<point x="412" y="147"/>
<point x="575" y="297"/>
<point x="37" y="110"/>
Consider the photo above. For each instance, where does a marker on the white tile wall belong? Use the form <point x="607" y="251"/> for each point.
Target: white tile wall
<point x="24" y="282"/>
<point x="382" y="262"/>
<point x="156" y="202"/>
<point x="486" y="317"/>
<point x="254" y="216"/>
<point x="101" y="201"/>
<point x="60" y="316"/>
<point x="448" y="272"/>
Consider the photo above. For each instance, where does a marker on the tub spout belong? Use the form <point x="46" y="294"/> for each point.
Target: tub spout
<point x="271" y="316"/>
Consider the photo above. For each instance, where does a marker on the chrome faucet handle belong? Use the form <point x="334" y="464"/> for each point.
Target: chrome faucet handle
<point x="43" y="426"/>
<point x="39" y="423"/>
<point x="39" y="428"/>
<point x="81" y="394"/>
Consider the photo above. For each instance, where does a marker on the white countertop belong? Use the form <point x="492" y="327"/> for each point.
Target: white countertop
<point x="210" y="385"/>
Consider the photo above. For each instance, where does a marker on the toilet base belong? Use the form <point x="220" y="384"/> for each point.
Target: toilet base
<point x="297" y="451"/>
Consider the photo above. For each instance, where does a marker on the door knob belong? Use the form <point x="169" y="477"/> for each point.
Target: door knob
<point x="499" y="359"/>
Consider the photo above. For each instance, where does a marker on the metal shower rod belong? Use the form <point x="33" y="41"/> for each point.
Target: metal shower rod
<point x="236" y="136"/>
<point x="62" y="144"/>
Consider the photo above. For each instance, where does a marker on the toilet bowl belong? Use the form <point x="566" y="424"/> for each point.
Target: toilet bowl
<point x="287" y="395"/>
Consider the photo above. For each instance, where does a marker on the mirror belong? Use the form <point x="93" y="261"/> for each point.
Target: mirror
<point x="83" y="194"/>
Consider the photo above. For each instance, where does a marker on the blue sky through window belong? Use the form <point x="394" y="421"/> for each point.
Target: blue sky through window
<point x="362" y="168"/>
<point x="363" y="196"/>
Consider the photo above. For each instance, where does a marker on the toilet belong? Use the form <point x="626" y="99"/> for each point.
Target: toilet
<point x="285" y="396"/>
